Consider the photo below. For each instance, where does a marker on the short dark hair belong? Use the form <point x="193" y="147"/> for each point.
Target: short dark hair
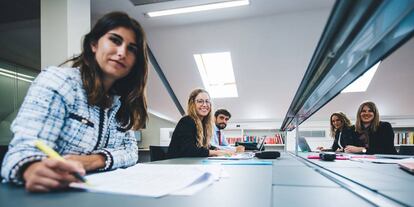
<point x="222" y="111"/>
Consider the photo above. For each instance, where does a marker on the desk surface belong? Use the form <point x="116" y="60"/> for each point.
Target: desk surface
<point x="386" y="179"/>
<point x="232" y="191"/>
<point x="290" y="181"/>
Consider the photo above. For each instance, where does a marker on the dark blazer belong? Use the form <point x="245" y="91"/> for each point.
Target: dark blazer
<point x="348" y="137"/>
<point x="184" y="139"/>
<point x="382" y="141"/>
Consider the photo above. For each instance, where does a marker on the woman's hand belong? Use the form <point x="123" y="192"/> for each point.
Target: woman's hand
<point x="320" y="148"/>
<point x="49" y="174"/>
<point x="89" y="162"/>
<point x="240" y="148"/>
<point x="340" y="150"/>
<point x="354" y="149"/>
<point x="213" y="153"/>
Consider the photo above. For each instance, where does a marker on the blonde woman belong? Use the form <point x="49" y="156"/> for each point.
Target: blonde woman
<point x="377" y="137"/>
<point x="192" y="135"/>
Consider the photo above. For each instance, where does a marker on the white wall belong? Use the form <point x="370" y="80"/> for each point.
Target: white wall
<point x="63" y="24"/>
<point x="151" y="135"/>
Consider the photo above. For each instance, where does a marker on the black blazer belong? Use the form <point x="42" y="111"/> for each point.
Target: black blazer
<point x="348" y="137"/>
<point x="382" y="141"/>
<point x="184" y="139"/>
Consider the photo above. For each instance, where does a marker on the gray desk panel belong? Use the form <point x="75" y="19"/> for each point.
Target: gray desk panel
<point x="299" y="176"/>
<point x="406" y="197"/>
<point x="387" y="179"/>
<point x="315" y="196"/>
<point x="338" y="163"/>
<point x="287" y="160"/>
<point x="378" y="180"/>
<point x="232" y="191"/>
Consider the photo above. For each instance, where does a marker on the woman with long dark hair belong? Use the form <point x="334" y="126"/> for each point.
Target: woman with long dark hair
<point x="84" y="112"/>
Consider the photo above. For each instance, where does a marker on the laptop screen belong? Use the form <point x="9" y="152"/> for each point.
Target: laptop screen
<point x="260" y="143"/>
<point x="303" y="145"/>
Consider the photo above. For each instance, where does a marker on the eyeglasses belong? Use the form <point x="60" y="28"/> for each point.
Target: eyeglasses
<point x="201" y="101"/>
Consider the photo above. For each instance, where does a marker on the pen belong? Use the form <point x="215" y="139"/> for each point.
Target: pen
<point x="53" y="154"/>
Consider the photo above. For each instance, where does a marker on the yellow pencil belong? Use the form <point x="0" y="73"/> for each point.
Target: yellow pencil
<point x="53" y="154"/>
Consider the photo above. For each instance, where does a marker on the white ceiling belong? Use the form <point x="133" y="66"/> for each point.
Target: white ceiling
<point x="271" y="43"/>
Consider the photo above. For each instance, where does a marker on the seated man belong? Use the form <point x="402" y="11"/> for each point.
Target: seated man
<point x="218" y="140"/>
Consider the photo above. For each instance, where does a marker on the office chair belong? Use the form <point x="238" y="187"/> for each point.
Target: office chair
<point x="406" y="150"/>
<point x="3" y="150"/>
<point x="158" y="152"/>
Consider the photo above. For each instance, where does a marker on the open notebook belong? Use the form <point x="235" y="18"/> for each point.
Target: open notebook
<point x="243" y="155"/>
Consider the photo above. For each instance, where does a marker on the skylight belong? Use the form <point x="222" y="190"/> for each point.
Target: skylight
<point x="361" y="84"/>
<point x="198" y="8"/>
<point x="216" y="70"/>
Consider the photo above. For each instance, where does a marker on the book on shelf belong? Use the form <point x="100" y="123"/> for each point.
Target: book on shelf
<point x="401" y="138"/>
<point x="275" y="139"/>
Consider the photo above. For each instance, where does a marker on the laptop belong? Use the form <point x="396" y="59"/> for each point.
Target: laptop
<point x="303" y="145"/>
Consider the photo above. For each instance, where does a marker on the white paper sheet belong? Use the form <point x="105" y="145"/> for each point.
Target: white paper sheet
<point x="153" y="180"/>
<point x="383" y="160"/>
<point x="216" y="172"/>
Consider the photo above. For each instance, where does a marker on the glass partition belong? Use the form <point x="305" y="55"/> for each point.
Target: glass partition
<point x="15" y="80"/>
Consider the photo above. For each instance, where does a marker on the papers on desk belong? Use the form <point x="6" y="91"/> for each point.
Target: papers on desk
<point x="238" y="162"/>
<point x="383" y="160"/>
<point x="153" y="180"/>
<point x="238" y="156"/>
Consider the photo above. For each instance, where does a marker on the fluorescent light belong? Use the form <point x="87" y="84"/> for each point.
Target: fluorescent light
<point x="361" y="84"/>
<point x="19" y="76"/>
<point x="205" y="7"/>
<point x="216" y="70"/>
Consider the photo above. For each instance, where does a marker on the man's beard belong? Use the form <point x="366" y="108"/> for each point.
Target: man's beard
<point x="221" y="126"/>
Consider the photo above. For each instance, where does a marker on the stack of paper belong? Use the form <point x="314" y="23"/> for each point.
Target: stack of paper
<point x="153" y="180"/>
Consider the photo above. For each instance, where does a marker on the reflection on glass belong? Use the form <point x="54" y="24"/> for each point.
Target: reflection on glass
<point x="14" y="83"/>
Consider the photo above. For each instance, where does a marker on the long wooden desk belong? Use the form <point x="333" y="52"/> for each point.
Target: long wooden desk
<point x="290" y="181"/>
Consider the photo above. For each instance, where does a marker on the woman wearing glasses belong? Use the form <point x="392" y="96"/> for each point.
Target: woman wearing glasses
<point x="191" y="137"/>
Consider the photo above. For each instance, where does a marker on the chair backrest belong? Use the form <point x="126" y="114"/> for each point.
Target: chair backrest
<point x="3" y="150"/>
<point x="406" y="150"/>
<point x="158" y="152"/>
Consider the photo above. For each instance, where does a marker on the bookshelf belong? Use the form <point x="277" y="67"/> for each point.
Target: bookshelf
<point x="403" y="136"/>
<point x="274" y="139"/>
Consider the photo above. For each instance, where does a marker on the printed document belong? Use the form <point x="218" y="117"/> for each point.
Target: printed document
<point x="153" y="180"/>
